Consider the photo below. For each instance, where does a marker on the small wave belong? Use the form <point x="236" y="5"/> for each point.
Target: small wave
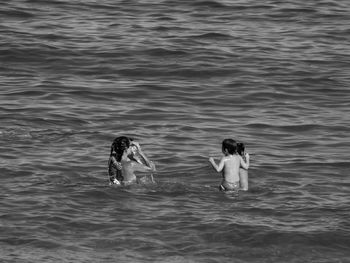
<point x="210" y="4"/>
<point x="26" y="93"/>
<point x="163" y="28"/>
<point x="259" y="125"/>
<point x="213" y="35"/>
<point x="287" y="128"/>
<point x="161" y="52"/>
<point x="17" y="241"/>
<point x="16" y="14"/>
<point x="179" y="72"/>
<point x="13" y="134"/>
<point x="297" y="10"/>
<point x="35" y="53"/>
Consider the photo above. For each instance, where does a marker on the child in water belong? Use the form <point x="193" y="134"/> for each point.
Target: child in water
<point x="229" y="165"/>
<point x="243" y="173"/>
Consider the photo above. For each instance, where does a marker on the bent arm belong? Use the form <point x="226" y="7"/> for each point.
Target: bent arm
<point x="219" y="167"/>
<point x="145" y="161"/>
<point x="244" y="164"/>
<point x="116" y="163"/>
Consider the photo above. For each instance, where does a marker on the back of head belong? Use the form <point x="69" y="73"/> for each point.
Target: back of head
<point x="119" y="145"/>
<point x="230" y="145"/>
<point x="240" y="148"/>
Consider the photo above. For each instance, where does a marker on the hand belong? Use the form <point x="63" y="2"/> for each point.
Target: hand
<point x="211" y="159"/>
<point x="247" y="156"/>
<point x="137" y="145"/>
<point x="115" y="181"/>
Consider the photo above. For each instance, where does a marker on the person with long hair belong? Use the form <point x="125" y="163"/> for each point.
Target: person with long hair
<point x="125" y="159"/>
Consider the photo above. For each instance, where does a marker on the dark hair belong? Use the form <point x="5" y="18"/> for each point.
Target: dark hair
<point x="118" y="147"/>
<point x="240" y="148"/>
<point x="230" y="145"/>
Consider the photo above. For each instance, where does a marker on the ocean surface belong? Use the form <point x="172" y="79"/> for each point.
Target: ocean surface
<point x="179" y="76"/>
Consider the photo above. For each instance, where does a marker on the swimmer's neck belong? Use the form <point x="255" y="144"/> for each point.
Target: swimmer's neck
<point x="229" y="154"/>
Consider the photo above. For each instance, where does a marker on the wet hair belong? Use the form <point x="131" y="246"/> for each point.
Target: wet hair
<point x="230" y="145"/>
<point x="119" y="145"/>
<point x="240" y="148"/>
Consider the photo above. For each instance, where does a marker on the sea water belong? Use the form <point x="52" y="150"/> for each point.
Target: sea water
<point x="178" y="76"/>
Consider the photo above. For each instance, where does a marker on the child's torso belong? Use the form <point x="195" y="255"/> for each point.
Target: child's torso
<point x="231" y="169"/>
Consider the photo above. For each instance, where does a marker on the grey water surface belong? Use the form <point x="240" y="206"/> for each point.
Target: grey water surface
<point x="179" y="76"/>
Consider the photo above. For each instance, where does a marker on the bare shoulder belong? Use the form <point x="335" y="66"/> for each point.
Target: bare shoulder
<point x="225" y="158"/>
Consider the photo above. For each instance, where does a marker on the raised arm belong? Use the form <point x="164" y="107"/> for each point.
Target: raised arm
<point x="146" y="164"/>
<point x="145" y="160"/>
<point x="219" y="167"/>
